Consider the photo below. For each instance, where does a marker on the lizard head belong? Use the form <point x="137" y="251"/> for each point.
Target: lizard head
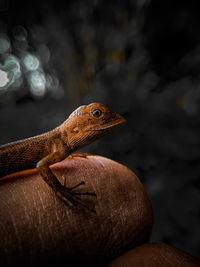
<point x="90" y="122"/>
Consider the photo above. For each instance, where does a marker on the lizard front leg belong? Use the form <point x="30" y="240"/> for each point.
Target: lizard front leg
<point x="66" y="194"/>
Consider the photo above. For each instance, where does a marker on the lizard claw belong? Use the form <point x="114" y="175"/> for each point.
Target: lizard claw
<point x="84" y="193"/>
<point x="75" y="186"/>
<point x="80" y="193"/>
<point x="71" y="198"/>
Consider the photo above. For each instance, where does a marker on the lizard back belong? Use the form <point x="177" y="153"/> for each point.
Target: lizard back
<point x="22" y="154"/>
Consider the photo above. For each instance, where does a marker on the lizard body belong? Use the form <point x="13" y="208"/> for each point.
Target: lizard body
<point x="85" y="125"/>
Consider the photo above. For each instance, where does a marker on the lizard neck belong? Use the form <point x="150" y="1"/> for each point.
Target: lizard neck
<point x="66" y="132"/>
<point x="56" y="140"/>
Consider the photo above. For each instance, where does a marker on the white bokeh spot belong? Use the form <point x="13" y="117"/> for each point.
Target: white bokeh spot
<point x="3" y="78"/>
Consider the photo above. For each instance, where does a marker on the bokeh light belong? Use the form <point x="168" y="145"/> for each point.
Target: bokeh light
<point x="37" y="83"/>
<point x="31" y="62"/>
<point x="3" y="79"/>
<point x="4" y="44"/>
<point x="10" y="71"/>
<point x="12" y="64"/>
<point x="19" y="33"/>
<point x="44" y="54"/>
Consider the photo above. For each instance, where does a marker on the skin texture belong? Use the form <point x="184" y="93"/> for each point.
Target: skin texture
<point x="85" y="125"/>
<point x="155" y="254"/>
<point x="37" y="228"/>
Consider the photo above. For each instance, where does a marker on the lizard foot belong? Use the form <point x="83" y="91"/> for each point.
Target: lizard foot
<point x="79" y="193"/>
<point x="72" y="198"/>
<point x="77" y="185"/>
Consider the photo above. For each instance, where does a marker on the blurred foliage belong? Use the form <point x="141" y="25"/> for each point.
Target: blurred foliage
<point x="139" y="57"/>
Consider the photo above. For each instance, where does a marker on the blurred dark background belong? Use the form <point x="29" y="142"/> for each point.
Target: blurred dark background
<point x="142" y="59"/>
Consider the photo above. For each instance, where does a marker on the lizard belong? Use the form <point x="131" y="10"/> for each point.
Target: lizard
<point x="86" y="124"/>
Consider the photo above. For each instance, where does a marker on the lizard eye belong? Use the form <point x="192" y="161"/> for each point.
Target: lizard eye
<point x="96" y="113"/>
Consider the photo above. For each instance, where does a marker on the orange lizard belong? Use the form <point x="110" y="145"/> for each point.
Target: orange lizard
<point x="85" y="125"/>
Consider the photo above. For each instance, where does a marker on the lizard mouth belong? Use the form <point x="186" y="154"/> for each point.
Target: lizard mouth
<point x="111" y="125"/>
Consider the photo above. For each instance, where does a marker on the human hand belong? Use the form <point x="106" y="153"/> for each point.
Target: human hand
<point x="38" y="228"/>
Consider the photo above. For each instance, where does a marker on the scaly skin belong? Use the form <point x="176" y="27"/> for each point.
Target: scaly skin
<point x="85" y="125"/>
